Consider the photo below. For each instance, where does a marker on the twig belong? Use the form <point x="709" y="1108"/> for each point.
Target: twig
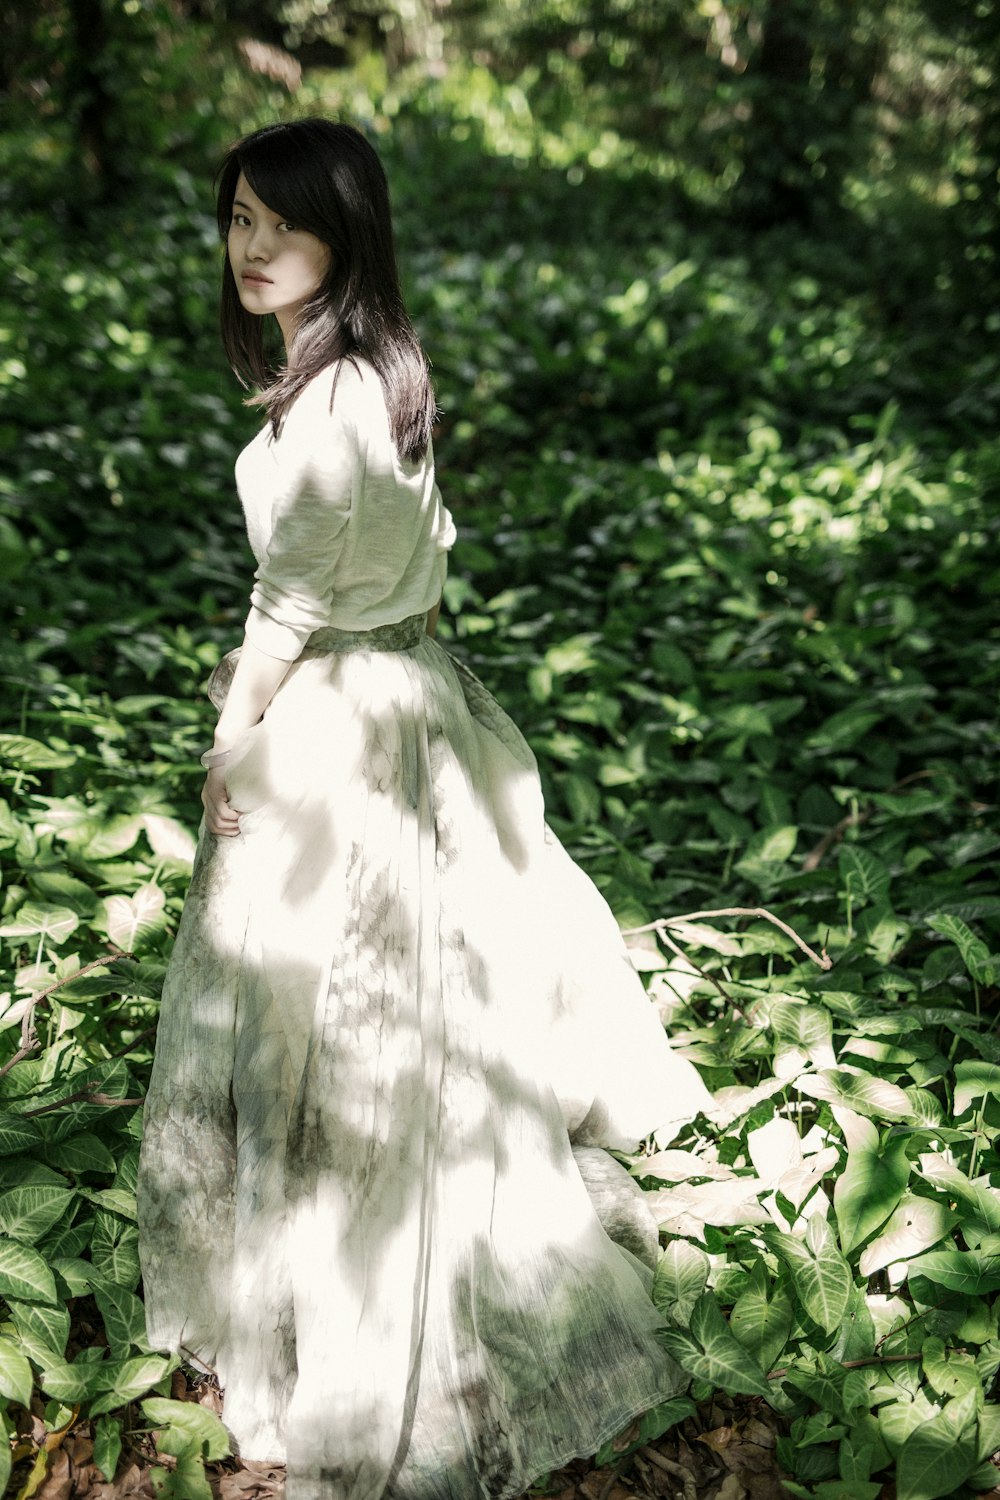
<point x="29" y="1038"/>
<point x="21" y="1053"/>
<point x="833" y="835"/>
<point x="614" y="1476"/>
<point x="676" y="948"/>
<point x="97" y="963"/>
<point x="89" y="1094"/>
<point x="669" y="1467"/>
<point x="824" y="960"/>
<point x="861" y="1364"/>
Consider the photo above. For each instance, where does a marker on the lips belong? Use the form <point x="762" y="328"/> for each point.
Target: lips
<point x="256" y="279"/>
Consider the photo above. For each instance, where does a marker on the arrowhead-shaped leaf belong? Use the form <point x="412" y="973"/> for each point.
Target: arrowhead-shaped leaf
<point x="710" y="1351"/>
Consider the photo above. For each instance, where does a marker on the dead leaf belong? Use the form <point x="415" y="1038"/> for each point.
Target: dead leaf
<point x="58" y="1482"/>
<point x="717" y="1440"/>
<point x="730" y="1489"/>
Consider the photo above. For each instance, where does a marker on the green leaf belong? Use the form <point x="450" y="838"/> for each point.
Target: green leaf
<point x="915" y="1225"/>
<point x="6" y="1457"/>
<point x="122" y="1380"/>
<point x="973" y="1080"/>
<point x="38" y="919"/>
<point x="28" y="1212"/>
<point x="114" y="1249"/>
<point x="113" y="1200"/>
<point x="124" y="1317"/>
<point x="79" y="1153"/>
<point x="129" y="920"/>
<point x="939" y="1454"/>
<point x="981" y="964"/>
<point x="107" y="1445"/>
<point x="680" y="1279"/>
<point x="762" y="1318"/>
<point x="948" y="1372"/>
<point x="846" y="1489"/>
<point x="710" y="1352"/>
<point x="820" y="1274"/>
<point x="24" y="1274"/>
<point x="106" y="837"/>
<point x="989" y="1432"/>
<point x="32" y="755"/>
<point x="967" y="1271"/>
<point x="168" y="839"/>
<point x="17" y="1136"/>
<point x="652" y="1425"/>
<point x="807" y="1027"/>
<point x="865" y="878"/>
<point x="871" y="1184"/>
<point x="857" y="1091"/>
<point x="767" y="854"/>
<point x="184" y="1427"/>
<point x="44" y="1331"/>
<point x="72" y="1383"/>
<point x="15" y="1373"/>
<point x="78" y="1276"/>
<point x="186" y="1481"/>
<point x="982" y="1202"/>
<point x="842" y="730"/>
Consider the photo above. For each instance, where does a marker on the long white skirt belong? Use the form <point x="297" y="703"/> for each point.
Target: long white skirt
<point x="392" y="1001"/>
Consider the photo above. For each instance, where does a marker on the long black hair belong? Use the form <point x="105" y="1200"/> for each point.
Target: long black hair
<point x="325" y="177"/>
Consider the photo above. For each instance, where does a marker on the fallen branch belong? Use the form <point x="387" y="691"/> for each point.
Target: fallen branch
<point x="668" y="1466"/>
<point x="659" y="927"/>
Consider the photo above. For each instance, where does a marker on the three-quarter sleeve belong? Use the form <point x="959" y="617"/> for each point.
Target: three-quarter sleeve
<point x="446" y="538"/>
<point x="294" y="584"/>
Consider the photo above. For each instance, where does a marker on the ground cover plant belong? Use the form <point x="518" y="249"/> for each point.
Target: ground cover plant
<point x="728" y="554"/>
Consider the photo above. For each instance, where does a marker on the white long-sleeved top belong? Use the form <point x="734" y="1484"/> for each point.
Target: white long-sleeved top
<point x="345" y="532"/>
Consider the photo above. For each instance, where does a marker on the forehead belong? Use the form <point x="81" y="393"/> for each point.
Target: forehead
<point x="245" y="193"/>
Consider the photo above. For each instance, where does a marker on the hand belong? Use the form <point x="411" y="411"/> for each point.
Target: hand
<point x="220" y="816"/>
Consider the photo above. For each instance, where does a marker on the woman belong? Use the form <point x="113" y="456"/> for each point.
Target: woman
<point x="392" y="997"/>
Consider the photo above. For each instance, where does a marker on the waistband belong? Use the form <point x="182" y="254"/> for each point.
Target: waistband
<point x="402" y="636"/>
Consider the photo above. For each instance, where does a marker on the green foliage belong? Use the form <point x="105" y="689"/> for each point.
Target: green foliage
<point x="728" y="546"/>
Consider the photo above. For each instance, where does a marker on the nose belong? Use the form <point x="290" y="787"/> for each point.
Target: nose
<point x="258" y="247"/>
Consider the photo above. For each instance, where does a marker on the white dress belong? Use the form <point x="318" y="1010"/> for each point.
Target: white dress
<point x="392" y="1000"/>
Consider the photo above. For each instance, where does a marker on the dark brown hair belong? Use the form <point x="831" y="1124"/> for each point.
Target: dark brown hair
<point x="326" y="178"/>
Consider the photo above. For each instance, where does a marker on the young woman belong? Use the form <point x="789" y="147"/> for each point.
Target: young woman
<point x="393" y="999"/>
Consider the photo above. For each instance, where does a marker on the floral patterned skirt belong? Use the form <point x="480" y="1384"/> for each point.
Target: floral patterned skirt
<point x="392" y="1003"/>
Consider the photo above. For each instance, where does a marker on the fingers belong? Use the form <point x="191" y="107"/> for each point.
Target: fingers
<point x="221" y="817"/>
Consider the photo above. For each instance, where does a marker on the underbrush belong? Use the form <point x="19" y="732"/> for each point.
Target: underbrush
<point x="728" y="546"/>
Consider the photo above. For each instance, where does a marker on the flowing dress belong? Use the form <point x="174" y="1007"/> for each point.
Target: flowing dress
<point x="393" y="1005"/>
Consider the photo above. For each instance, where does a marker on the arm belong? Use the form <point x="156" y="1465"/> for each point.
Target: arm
<point x="432" y="620"/>
<point x="293" y="588"/>
<point x="255" y="682"/>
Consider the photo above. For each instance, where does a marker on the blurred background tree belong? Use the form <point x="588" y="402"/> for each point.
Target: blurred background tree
<point x="778" y="103"/>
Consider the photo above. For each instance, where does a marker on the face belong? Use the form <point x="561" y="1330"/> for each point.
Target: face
<point x="277" y="266"/>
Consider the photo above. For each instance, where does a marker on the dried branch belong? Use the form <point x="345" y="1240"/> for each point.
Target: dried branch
<point x="662" y="923"/>
<point x="29" y="1037"/>
<point x="833" y="835"/>
<point x="668" y="1466"/>
<point x="89" y="1094"/>
<point x="668" y="942"/>
<point x="861" y="1364"/>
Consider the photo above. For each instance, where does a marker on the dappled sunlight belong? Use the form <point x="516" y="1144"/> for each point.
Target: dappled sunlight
<point x="392" y="1003"/>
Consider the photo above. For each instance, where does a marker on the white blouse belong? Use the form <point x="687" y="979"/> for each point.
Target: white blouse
<point x="345" y="532"/>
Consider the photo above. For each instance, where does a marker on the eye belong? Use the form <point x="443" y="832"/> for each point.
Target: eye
<point x="288" y="228"/>
<point x="240" y="221"/>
